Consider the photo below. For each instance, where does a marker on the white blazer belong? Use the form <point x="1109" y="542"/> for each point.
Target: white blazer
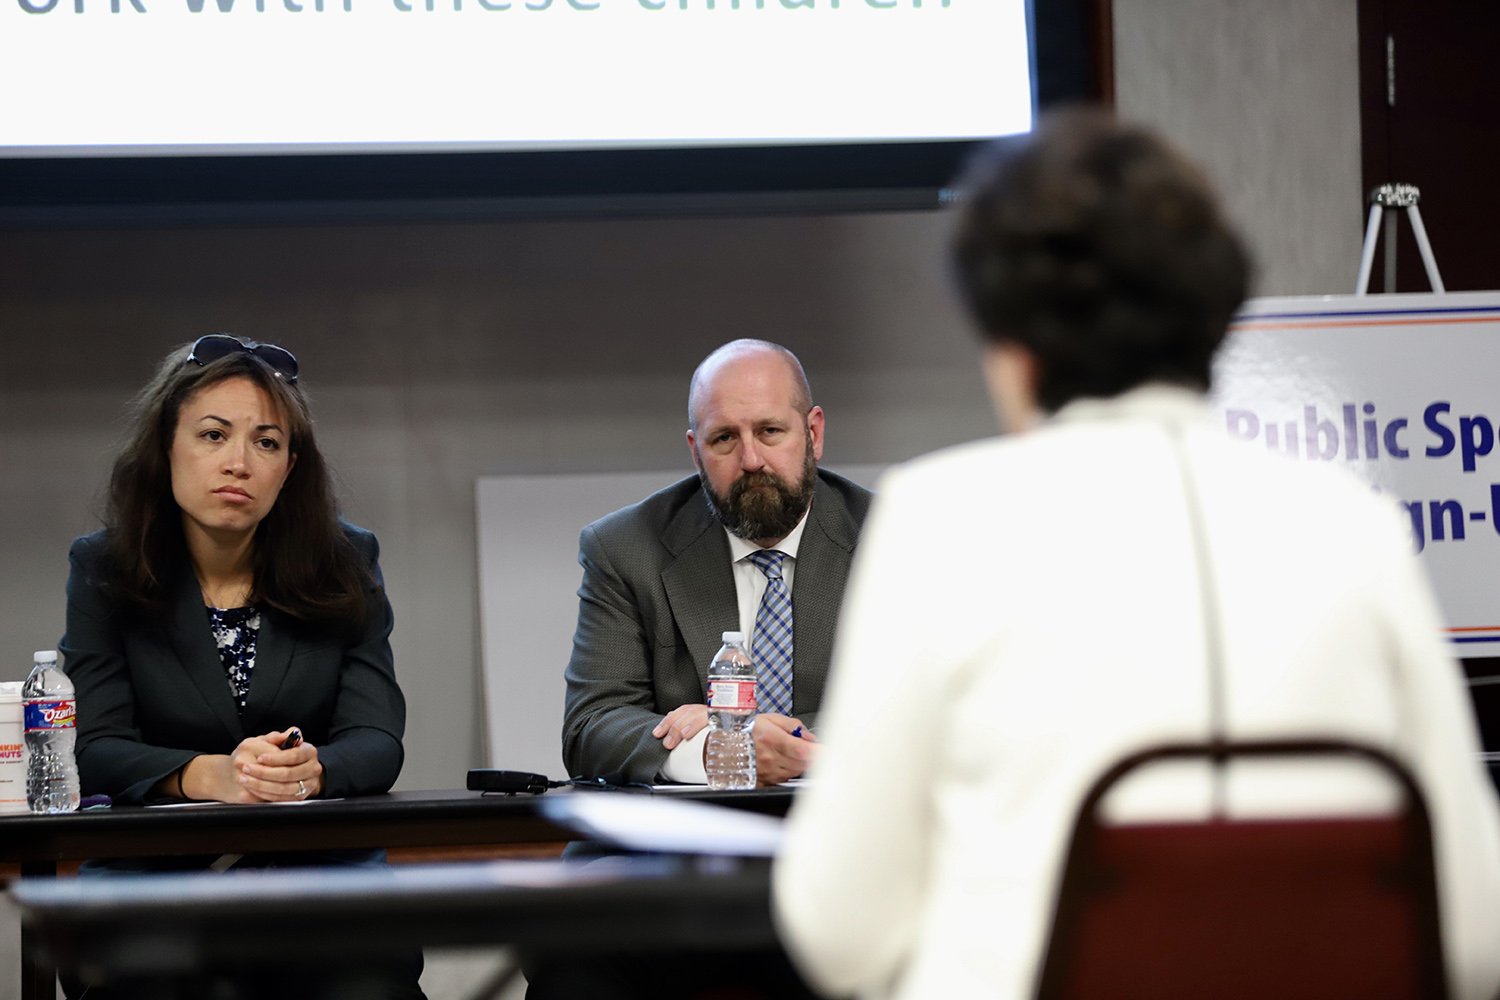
<point x="1025" y="611"/>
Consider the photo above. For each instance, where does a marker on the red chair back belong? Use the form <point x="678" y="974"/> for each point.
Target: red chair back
<point x="1227" y="908"/>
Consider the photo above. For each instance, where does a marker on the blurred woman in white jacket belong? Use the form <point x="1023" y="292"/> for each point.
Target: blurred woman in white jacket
<point x="1027" y="610"/>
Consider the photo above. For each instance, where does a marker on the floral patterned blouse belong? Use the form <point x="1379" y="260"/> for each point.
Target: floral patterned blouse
<point x="235" y="631"/>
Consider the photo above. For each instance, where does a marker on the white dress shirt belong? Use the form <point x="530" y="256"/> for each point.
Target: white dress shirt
<point x="685" y="762"/>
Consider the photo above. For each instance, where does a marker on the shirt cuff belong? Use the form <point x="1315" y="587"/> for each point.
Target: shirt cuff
<point x="685" y="762"/>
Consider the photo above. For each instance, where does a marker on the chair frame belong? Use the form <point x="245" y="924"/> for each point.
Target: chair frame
<point x="1083" y="870"/>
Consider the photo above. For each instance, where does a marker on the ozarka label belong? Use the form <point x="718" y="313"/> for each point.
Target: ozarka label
<point x="44" y="715"/>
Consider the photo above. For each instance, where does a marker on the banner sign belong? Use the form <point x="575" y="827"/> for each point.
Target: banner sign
<point x="1403" y="390"/>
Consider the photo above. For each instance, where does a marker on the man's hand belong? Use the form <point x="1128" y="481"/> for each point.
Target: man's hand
<point x="681" y="724"/>
<point x="780" y="756"/>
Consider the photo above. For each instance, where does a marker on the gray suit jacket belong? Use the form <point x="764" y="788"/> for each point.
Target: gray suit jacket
<point x="658" y="591"/>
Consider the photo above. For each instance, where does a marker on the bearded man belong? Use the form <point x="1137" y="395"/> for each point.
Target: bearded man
<point x="760" y="535"/>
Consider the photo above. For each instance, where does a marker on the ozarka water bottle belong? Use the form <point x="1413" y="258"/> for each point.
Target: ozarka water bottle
<point x="729" y="754"/>
<point x="51" y="714"/>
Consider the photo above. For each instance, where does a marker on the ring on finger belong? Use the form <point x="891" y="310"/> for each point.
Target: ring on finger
<point x="301" y="789"/>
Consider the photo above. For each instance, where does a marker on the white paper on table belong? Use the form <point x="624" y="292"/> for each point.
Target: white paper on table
<point x="682" y="787"/>
<point x="646" y="823"/>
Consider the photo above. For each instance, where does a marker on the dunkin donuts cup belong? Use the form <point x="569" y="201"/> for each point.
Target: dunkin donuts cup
<point x="12" y="750"/>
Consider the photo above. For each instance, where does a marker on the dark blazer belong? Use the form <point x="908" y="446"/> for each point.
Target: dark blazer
<point x="153" y="695"/>
<point x="657" y="593"/>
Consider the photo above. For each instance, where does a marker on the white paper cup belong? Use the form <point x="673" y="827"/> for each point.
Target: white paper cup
<point x="12" y="750"/>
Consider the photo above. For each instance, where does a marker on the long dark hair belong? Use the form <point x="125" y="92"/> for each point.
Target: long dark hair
<point x="304" y="564"/>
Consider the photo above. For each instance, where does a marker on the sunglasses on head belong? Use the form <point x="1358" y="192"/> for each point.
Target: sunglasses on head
<point x="212" y="347"/>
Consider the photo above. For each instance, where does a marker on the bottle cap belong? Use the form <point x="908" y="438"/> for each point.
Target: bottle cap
<point x="729" y="637"/>
<point x="44" y="656"/>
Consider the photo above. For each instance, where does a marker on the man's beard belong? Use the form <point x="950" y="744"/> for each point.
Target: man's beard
<point x="760" y="505"/>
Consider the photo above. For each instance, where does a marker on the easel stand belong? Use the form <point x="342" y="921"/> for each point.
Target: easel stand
<point x="1402" y="196"/>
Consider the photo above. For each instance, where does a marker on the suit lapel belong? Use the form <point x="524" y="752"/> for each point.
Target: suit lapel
<point x="700" y="588"/>
<point x="199" y="657"/>
<point x="817" y="593"/>
<point x="273" y="657"/>
<point x="700" y="584"/>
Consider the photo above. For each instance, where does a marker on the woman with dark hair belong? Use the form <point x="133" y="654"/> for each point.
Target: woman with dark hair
<point x="1026" y="611"/>
<point x="227" y="635"/>
<point x="224" y="604"/>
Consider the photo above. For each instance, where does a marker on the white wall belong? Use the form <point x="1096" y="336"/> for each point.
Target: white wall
<point x="439" y="353"/>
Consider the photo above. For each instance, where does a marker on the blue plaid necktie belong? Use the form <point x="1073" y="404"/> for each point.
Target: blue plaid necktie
<point x="772" y="650"/>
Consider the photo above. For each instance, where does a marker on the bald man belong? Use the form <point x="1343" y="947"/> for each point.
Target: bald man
<point x="664" y="578"/>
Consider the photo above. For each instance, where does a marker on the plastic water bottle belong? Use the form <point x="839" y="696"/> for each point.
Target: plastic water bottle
<point x="729" y="756"/>
<point x="51" y="716"/>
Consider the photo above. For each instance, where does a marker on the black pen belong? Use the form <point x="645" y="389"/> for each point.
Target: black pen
<point x="292" y="739"/>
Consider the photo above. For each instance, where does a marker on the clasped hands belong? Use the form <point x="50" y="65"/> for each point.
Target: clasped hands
<point x="257" y="771"/>
<point x="779" y="755"/>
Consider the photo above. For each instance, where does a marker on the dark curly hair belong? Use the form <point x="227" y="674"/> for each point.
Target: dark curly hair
<point x="1100" y="249"/>
<point x="304" y="563"/>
